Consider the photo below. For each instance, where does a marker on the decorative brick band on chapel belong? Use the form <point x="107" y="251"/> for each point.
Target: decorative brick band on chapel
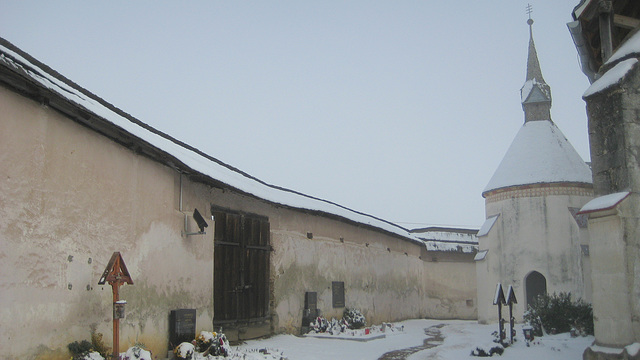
<point x="532" y="190"/>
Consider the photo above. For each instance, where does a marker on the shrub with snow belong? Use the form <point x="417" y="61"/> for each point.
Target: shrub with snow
<point x="94" y="355"/>
<point x="218" y="345"/>
<point x="204" y="340"/>
<point x="79" y="349"/>
<point x="85" y="350"/>
<point x="559" y="313"/>
<point x="136" y="353"/>
<point x="207" y="343"/>
<point x="184" y="351"/>
<point x="319" y="325"/>
<point x="354" y="318"/>
<point x="488" y="349"/>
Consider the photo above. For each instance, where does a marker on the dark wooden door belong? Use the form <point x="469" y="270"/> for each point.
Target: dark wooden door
<point x="241" y="267"/>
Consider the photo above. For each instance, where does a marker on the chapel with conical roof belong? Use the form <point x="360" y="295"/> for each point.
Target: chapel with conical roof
<point x="532" y="238"/>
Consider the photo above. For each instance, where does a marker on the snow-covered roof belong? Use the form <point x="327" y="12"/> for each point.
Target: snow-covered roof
<point x="487" y="225"/>
<point x="528" y="95"/>
<point x="480" y="255"/>
<point x="539" y="154"/>
<point x="447" y="239"/>
<point x="605" y="202"/>
<point x="22" y="64"/>
<point x="447" y="234"/>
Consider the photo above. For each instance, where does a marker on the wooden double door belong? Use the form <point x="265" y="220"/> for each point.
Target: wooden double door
<point x="241" y="268"/>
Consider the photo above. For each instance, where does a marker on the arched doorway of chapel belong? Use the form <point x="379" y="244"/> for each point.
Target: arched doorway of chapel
<point x="535" y="284"/>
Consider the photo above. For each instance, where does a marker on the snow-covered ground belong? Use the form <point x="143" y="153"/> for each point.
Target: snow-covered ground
<point x="460" y="338"/>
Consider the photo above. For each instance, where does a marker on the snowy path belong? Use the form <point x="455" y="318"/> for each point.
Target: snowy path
<point x="434" y="339"/>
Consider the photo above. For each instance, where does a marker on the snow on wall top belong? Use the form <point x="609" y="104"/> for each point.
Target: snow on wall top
<point x="197" y="162"/>
<point x="446" y="239"/>
<point x="631" y="46"/>
<point x="604" y="202"/>
<point x="447" y="234"/>
<point x="617" y="72"/>
<point x="539" y="153"/>
<point x="611" y="77"/>
<point x="487" y="225"/>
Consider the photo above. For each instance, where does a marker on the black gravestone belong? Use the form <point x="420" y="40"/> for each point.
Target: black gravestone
<point x="311" y="300"/>
<point x="337" y="290"/>
<point x="310" y="311"/>
<point x="182" y="326"/>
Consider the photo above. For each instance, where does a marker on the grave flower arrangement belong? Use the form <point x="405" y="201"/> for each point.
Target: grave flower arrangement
<point x="352" y="319"/>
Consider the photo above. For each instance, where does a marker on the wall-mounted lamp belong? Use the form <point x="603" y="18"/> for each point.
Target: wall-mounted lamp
<point x="199" y="220"/>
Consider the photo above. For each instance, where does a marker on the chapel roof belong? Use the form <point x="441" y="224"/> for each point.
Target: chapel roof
<point x="540" y="153"/>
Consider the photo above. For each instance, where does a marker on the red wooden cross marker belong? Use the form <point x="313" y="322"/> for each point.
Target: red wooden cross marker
<point x="116" y="274"/>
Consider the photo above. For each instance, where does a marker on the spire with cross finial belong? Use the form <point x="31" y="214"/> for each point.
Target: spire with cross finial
<point x="535" y="93"/>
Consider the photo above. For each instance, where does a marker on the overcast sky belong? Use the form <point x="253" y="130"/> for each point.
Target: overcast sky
<point x="399" y="109"/>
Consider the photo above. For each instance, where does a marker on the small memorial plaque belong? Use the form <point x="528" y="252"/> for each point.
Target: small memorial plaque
<point x="182" y="326"/>
<point x="337" y="289"/>
<point x="118" y="309"/>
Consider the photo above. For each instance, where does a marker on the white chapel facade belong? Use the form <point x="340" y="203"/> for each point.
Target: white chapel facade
<point x="532" y="238"/>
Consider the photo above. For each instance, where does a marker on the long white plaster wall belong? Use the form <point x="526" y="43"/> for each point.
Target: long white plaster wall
<point x="388" y="278"/>
<point x="380" y="279"/>
<point x="70" y="198"/>
<point x="531" y="234"/>
<point x="384" y="276"/>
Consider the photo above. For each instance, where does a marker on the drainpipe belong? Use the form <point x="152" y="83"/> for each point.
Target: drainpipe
<point x="575" y="29"/>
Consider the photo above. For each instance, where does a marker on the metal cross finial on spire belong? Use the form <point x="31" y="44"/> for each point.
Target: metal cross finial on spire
<point x="529" y="11"/>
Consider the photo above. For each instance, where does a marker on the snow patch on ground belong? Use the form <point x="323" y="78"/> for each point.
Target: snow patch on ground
<point x="633" y="349"/>
<point x="460" y="338"/>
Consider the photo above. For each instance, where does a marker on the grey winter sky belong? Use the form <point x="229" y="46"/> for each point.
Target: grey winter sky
<point x="399" y="109"/>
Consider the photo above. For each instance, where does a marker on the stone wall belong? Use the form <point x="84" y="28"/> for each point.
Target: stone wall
<point x="614" y="131"/>
<point x="614" y="136"/>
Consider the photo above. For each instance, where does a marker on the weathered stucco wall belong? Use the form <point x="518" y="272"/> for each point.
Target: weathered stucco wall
<point x="532" y="233"/>
<point x="611" y="297"/>
<point x="386" y="277"/>
<point x="70" y="198"/>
